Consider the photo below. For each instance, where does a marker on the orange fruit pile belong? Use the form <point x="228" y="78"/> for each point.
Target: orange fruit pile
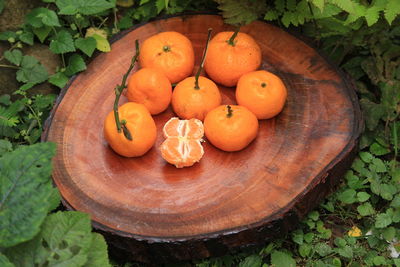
<point x="182" y="146"/>
<point x="232" y="60"/>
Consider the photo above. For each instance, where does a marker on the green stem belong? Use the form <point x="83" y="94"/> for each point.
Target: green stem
<point x="63" y="60"/>
<point x="230" y="111"/>
<point x="9" y="66"/>
<point x="231" y="41"/>
<point x="118" y="92"/>
<point x="203" y="59"/>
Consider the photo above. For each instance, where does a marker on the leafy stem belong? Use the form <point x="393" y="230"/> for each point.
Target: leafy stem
<point x="9" y="66"/>
<point x="121" y="125"/>
<point x="231" y="40"/>
<point x="196" y="81"/>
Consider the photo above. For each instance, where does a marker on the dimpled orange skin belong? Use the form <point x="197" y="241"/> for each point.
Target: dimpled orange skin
<point x="150" y="87"/>
<point x="141" y="126"/>
<point x="230" y="133"/>
<point x="170" y="52"/>
<point x="226" y="63"/>
<point x="188" y="102"/>
<point x="262" y="92"/>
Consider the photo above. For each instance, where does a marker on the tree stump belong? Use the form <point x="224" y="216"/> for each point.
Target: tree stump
<point x="157" y="212"/>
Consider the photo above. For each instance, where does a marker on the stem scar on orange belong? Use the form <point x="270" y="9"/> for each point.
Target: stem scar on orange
<point x="150" y="87"/>
<point x="170" y="52"/>
<point x="195" y="96"/>
<point x="182" y="147"/>
<point x="142" y="128"/>
<point x="262" y="92"/>
<point x="230" y="127"/>
<point x="232" y="54"/>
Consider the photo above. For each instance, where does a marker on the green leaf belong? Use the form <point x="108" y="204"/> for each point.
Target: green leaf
<point x="363" y="196"/>
<point x="14" y="56"/>
<point x="319" y="3"/>
<point x="7" y="36"/>
<point x="389" y="233"/>
<point x="5" y="262"/>
<point x="85" y="7"/>
<point x="125" y="23"/>
<point x="5" y="146"/>
<point x="348" y="196"/>
<point x="396" y="201"/>
<point x="345" y="251"/>
<point x="366" y="157"/>
<point x="383" y="220"/>
<point x="65" y="240"/>
<point x="365" y="209"/>
<point x="42" y="16"/>
<point x="378" y="165"/>
<point x="42" y="32"/>
<point x="102" y="43"/>
<point x="62" y="43"/>
<point x="323" y="249"/>
<point x="396" y="216"/>
<point x="378" y="150"/>
<point x="392" y="10"/>
<point x="97" y="255"/>
<point x="282" y="259"/>
<point x="379" y="261"/>
<point x="251" y="261"/>
<point x="75" y="64"/>
<point x="24" y="174"/>
<point x="27" y="37"/>
<point x="58" y="79"/>
<point x="305" y="250"/>
<point x="297" y="236"/>
<point x="241" y="12"/>
<point x="271" y="15"/>
<point x="54" y="199"/>
<point x="313" y="215"/>
<point x="372" y="15"/>
<point x="372" y="113"/>
<point x="86" y="45"/>
<point x="309" y="237"/>
<point x="31" y="71"/>
<point x="387" y="191"/>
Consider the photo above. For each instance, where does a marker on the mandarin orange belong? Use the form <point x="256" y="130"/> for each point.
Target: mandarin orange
<point x="230" y="56"/>
<point x="262" y="92"/>
<point x="150" y="87"/>
<point x="137" y="119"/>
<point x="230" y="127"/>
<point x="195" y="96"/>
<point x="170" y="52"/>
<point x="182" y="147"/>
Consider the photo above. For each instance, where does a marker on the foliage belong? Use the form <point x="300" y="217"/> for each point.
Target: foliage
<point x="356" y="226"/>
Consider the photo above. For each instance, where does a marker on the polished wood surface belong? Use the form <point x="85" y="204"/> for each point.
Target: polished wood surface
<point x="224" y="194"/>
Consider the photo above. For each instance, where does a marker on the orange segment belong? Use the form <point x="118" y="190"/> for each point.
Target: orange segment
<point x="181" y="152"/>
<point x="191" y="129"/>
<point x="182" y="147"/>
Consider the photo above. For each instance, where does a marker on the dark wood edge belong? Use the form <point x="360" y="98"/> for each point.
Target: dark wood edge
<point x="346" y="155"/>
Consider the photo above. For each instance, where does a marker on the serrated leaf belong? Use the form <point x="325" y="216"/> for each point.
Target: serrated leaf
<point x="5" y="146"/>
<point x="378" y="165"/>
<point x="271" y="15"/>
<point x="102" y="43"/>
<point x="346" y="5"/>
<point x="58" y="79"/>
<point x="297" y="236"/>
<point x="372" y="15"/>
<point x="363" y="196"/>
<point x="86" y="45"/>
<point x="389" y="233"/>
<point x="348" y="196"/>
<point x="97" y="255"/>
<point x="305" y="250"/>
<point x="282" y="259"/>
<point x="75" y="65"/>
<point x="251" y="261"/>
<point x="42" y="16"/>
<point x="383" y="220"/>
<point x="345" y="251"/>
<point x="5" y="262"/>
<point x="373" y="113"/>
<point x="322" y="249"/>
<point x="125" y="23"/>
<point x="319" y="3"/>
<point x="396" y="201"/>
<point x="62" y="43"/>
<point x="366" y="157"/>
<point x="392" y="10"/>
<point x="378" y="150"/>
<point x="31" y="71"/>
<point x="14" y="56"/>
<point x="240" y="13"/>
<point x="42" y="32"/>
<point x="85" y="7"/>
<point x="54" y="199"/>
<point x="24" y="174"/>
<point x="26" y="37"/>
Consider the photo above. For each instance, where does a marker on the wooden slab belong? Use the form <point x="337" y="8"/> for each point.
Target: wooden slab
<point x="156" y="211"/>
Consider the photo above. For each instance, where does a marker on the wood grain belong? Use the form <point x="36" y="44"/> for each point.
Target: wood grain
<point x="156" y="211"/>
